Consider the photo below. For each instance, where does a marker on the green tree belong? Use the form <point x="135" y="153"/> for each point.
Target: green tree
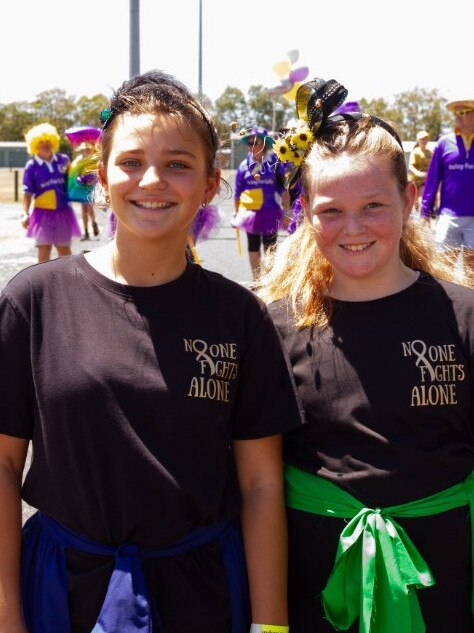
<point x="412" y="111"/>
<point x="15" y="119"/>
<point x="55" y="107"/>
<point x="381" y="108"/>
<point x="88" y="109"/>
<point x="231" y="110"/>
<point x="268" y="111"/>
<point x="261" y="106"/>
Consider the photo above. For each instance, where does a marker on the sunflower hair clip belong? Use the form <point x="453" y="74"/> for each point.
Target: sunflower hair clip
<point x="315" y="102"/>
<point x="293" y="146"/>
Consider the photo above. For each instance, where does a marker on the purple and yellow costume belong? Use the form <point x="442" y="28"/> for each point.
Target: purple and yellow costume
<point x="261" y="196"/>
<point x="53" y="220"/>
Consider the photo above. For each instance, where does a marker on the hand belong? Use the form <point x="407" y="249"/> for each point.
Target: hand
<point x="25" y="220"/>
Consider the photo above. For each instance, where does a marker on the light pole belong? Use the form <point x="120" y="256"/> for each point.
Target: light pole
<point x="134" y="37"/>
<point x="200" y="51"/>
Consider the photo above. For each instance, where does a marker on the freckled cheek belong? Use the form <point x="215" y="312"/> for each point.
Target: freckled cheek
<point x="326" y="233"/>
<point x="388" y="230"/>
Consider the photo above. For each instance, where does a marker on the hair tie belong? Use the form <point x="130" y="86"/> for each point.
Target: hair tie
<point x="105" y="116"/>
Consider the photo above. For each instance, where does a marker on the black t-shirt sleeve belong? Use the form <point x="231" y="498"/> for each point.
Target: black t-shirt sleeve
<point x="267" y="402"/>
<point x="16" y="401"/>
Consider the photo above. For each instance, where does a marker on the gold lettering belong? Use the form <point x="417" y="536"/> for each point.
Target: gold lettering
<point x="441" y="352"/>
<point x="452" y="394"/>
<point x="415" y="397"/>
<point x="193" y="389"/>
<point x="406" y="349"/>
<point x="214" y="350"/>
<point x="451" y="355"/>
<point x="225" y="369"/>
<point x="222" y="390"/>
<point x="209" y="389"/>
<point x="188" y="345"/>
<point x="433" y="395"/>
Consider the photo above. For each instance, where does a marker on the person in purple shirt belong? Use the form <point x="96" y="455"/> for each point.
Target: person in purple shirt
<point x="452" y="167"/>
<point x="52" y="221"/>
<point x="258" y="205"/>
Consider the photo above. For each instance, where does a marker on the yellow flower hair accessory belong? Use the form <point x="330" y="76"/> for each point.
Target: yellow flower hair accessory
<point x="302" y="138"/>
<point x="44" y="132"/>
<point x="293" y="146"/>
<point x="283" y="150"/>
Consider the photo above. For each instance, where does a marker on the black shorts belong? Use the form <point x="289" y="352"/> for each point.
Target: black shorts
<point x="444" y="541"/>
<point x="255" y="239"/>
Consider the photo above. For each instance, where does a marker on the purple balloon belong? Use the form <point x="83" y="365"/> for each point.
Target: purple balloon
<point x="299" y="74"/>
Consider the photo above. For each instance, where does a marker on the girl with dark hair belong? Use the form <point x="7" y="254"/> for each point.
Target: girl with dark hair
<point x="134" y="373"/>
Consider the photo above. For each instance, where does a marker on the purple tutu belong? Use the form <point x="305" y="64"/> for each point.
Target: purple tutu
<point x="258" y="222"/>
<point x="56" y="227"/>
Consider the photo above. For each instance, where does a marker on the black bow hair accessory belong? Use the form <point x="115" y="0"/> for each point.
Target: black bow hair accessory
<point x="316" y="101"/>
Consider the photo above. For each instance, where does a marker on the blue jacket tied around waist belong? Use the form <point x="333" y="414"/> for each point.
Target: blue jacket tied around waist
<point x="126" y="607"/>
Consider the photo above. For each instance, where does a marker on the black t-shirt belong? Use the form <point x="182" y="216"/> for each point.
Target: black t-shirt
<point x="387" y="390"/>
<point x="133" y="395"/>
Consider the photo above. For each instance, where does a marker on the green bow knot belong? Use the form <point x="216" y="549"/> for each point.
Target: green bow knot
<point x="377" y="568"/>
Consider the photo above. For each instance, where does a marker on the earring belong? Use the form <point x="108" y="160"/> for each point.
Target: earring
<point x="204" y="203"/>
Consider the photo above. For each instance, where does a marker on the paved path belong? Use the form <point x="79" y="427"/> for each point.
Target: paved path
<point x="219" y="253"/>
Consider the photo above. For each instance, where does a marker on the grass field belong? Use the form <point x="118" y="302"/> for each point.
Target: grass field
<point x="7" y="184"/>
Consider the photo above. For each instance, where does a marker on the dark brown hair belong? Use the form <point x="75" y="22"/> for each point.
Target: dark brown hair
<point x="155" y="92"/>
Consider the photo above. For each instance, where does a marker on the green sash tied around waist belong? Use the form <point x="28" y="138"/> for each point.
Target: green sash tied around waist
<point x="377" y="568"/>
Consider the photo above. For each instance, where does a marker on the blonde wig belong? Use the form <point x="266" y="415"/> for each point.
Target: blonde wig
<point x="39" y="134"/>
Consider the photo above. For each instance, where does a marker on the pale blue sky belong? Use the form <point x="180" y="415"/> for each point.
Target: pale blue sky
<point x="375" y="48"/>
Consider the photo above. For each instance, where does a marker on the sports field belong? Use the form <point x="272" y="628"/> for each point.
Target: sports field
<point x="7" y="184"/>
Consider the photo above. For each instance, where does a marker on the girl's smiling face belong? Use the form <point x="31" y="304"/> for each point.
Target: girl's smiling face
<point x="358" y="212"/>
<point x="156" y="177"/>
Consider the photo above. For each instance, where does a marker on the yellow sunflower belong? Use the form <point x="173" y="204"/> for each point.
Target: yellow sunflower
<point x="302" y="138"/>
<point x="283" y="150"/>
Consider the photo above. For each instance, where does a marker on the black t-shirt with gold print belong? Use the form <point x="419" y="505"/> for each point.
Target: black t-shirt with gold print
<point x="132" y="396"/>
<point x="387" y="390"/>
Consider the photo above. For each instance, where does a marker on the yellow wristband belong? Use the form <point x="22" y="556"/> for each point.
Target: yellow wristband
<point x="269" y="628"/>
